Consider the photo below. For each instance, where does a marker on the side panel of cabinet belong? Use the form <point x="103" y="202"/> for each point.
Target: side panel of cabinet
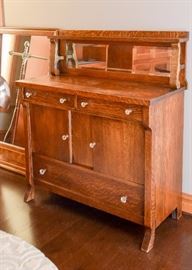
<point x="81" y="138"/>
<point x="49" y="125"/>
<point x="119" y="150"/>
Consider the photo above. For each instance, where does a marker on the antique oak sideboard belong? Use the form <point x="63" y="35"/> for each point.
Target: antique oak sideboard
<point x="106" y="127"/>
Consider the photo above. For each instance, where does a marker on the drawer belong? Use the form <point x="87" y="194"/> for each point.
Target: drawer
<point x="110" y="109"/>
<point x="123" y="199"/>
<point x="59" y="100"/>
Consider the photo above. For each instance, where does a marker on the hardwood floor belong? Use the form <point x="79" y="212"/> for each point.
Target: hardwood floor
<point x="76" y="237"/>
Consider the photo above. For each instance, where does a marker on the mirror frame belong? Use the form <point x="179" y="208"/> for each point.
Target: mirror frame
<point x="12" y="157"/>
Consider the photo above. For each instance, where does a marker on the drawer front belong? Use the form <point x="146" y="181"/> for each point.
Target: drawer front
<point x="110" y="109"/>
<point x="122" y="199"/>
<point x="58" y="100"/>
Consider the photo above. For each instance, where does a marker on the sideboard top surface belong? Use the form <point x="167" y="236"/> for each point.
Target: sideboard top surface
<point x="115" y="90"/>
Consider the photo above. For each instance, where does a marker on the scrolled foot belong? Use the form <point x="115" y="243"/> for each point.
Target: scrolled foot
<point x="148" y="240"/>
<point x="29" y="194"/>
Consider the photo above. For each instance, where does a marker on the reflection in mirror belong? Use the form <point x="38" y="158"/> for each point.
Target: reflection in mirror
<point x="136" y="59"/>
<point x="86" y="55"/>
<point x="22" y="57"/>
<point x="152" y="60"/>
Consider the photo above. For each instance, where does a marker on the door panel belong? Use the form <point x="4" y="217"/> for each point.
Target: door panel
<point x="50" y="132"/>
<point x="81" y="138"/>
<point x="119" y="150"/>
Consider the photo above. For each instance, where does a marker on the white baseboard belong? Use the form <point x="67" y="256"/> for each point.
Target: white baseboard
<point x="187" y="203"/>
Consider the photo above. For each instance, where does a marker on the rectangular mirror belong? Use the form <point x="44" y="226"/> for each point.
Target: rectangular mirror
<point x="108" y="57"/>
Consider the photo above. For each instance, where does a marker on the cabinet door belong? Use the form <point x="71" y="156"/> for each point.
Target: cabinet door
<point x="50" y="132"/>
<point x="119" y="149"/>
<point x="81" y="139"/>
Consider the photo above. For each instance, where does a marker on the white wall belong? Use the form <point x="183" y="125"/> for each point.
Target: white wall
<point x="114" y="14"/>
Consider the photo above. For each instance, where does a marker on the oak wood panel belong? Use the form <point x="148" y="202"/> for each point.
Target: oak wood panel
<point x="119" y="150"/>
<point x="49" y="125"/>
<point x="81" y="138"/>
<point x="175" y="66"/>
<point x="150" y="195"/>
<point x="167" y="155"/>
<point x="182" y="74"/>
<point x="129" y="36"/>
<point x="89" y="187"/>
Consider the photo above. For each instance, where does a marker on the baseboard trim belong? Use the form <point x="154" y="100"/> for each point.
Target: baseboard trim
<point x="187" y="203"/>
<point x="12" y="158"/>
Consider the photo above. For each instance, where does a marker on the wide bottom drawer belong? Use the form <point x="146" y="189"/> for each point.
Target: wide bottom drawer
<point x="122" y="199"/>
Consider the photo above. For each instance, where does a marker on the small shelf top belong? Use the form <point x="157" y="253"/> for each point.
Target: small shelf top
<point x="125" y="36"/>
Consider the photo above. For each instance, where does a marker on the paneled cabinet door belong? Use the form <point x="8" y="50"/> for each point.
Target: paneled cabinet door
<point x="111" y="147"/>
<point x="50" y="136"/>
<point x="118" y="149"/>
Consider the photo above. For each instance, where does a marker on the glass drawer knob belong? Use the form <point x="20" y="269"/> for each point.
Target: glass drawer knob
<point x="28" y="94"/>
<point x="62" y="100"/>
<point x="123" y="199"/>
<point x="92" y="145"/>
<point x="42" y="171"/>
<point x="84" y="104"/>
<point x="128" y="111"/>
<point x="65" y="137"/>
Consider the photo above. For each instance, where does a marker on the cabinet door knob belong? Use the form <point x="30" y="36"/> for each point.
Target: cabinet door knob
<point x="62" y="100"/>
<point x="128" y="111"/>
<point x="42" y="171"/>
<point x="84" y="104"/>
<point x="28" y="94"/>
<point x="124" y="199"/>
<point x="65" y="137"/>
<point x="92" y="145"/>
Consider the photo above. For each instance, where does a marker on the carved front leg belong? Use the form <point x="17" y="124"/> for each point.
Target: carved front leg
<point x="30" y="191"/>
<point x="148" y="240"/>
<point x="29" y="194"/>
<point x="150" y="196"/>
